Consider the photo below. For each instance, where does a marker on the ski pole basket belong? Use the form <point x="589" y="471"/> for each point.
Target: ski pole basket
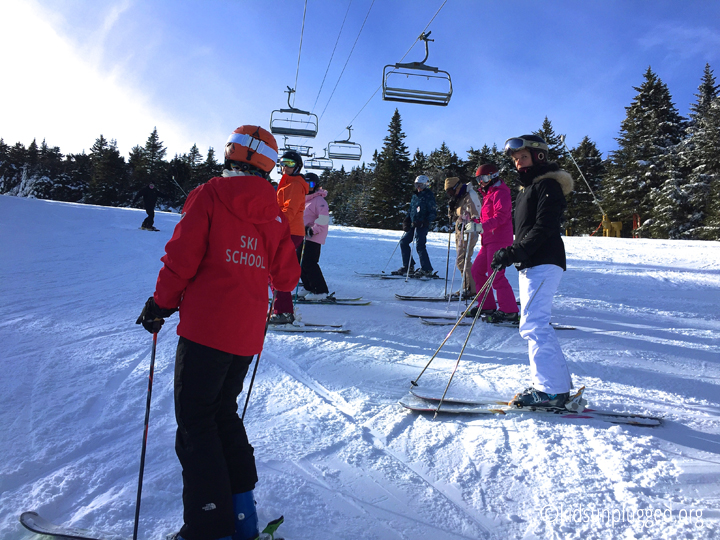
<point x="293" y="122"/>
<point x="345" y="150"/>
<point x="415" y="82"/>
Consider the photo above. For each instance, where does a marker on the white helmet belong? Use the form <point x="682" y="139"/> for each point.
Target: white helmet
<point x="422" y="179"/>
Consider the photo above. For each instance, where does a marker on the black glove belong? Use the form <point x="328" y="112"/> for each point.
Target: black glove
<point x="153" y="316"/>
<point x="309" y="231"/>
<point x="420" y="224"/>
<point x="502" y="259"/>
<point x="407" y="225"/>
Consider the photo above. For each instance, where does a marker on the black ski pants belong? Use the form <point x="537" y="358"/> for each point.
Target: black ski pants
<point x="311" y="275"/>
<point x="216" y="458"/>
<point x="149" y="221"/>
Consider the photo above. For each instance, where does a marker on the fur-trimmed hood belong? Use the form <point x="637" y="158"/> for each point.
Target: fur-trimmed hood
<point x="551" y="170"/>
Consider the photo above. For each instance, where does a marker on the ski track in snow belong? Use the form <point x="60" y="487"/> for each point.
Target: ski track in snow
<point x="336" y="454"/>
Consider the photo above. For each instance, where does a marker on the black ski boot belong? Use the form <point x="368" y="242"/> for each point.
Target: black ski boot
<point x="538" y="399"/>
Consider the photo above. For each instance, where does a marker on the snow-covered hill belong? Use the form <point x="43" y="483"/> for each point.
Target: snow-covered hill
<point x="337" y="456"/>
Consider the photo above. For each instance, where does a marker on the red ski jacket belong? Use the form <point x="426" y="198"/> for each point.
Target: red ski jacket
<point x="231" y="237"/>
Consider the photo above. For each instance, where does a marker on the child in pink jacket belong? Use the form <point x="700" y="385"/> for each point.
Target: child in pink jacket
<point x="317" y="219"/>
<point x="497" y="233"/>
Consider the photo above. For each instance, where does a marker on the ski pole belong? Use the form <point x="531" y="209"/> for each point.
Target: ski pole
<point x="297" y="287"/>
<point x="391" y="255"/>
<point x="447" y="265"/>
<point x="178" y="185"/>
<point x="145" y="435"/>
<point x="464" y="272"/>
<point x="562" y="139"/>
<point x="407" y="275"/>
<point x="457" y="363"/>
<point x="257" y="360"/>
<point x="482" y="290"/>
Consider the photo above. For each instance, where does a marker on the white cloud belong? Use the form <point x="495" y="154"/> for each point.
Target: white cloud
<point x="51" y="91"/>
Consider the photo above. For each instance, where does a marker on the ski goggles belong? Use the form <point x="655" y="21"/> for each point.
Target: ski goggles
<point x="485" y="178"/>
<point x="311" y="184"/>
<point x="517" y="143"/>
<point x="287" y="163"/>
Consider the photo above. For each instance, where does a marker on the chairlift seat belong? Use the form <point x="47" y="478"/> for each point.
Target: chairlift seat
<point x="439" y="94"/>
<point x="283" y="122"/>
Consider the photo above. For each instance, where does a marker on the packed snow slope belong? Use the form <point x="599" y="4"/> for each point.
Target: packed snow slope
<point x="337" y="455"/>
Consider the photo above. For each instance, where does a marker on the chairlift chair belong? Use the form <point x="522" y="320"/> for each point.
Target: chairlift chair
<point x="345" y="150"/>
<point x="436" y="90"/>
<point x="293" y="122"/>
<point x="303" y="150"/>
<point x="319" y="163"/>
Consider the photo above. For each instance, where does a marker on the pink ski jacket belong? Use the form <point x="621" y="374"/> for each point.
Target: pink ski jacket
<point x="317" y="215"/>
<point x="496" y="215"/>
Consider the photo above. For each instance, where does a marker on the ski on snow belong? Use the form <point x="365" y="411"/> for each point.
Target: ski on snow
<point x="438" y="321"/>
<point x="398" y="276"/>
<point x="309" y="327"/>
<point x="37" y="524"/>
<point x="426" y="298"/>
<point x="334" y="302"/>
<point x="423" y="401"/>
<point x="444" y="319"/>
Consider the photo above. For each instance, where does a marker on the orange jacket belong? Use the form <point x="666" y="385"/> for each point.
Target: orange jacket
<point x="291" y="193"/>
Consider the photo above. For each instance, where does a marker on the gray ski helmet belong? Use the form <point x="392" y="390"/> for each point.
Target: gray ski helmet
<point x="292" y="155"/>
<point x="422" y="179"/>
<point x="537" y="147"/>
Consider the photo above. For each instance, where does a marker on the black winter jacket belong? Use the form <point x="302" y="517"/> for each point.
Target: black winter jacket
<point x="539" y="209"/>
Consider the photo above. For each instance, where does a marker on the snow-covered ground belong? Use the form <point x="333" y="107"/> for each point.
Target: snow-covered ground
<point x="337" y="456"/>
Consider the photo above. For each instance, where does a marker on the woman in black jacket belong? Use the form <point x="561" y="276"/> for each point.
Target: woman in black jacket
<point x="538" y="253"/>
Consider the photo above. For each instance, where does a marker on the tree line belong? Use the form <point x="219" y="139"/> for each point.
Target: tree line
<point x="664" y="177"/>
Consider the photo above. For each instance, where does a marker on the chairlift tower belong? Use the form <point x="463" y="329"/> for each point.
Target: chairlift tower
<point x="402" y="82"/>
<point x="293" y="122"/>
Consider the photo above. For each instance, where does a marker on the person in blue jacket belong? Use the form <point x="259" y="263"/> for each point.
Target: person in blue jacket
<point x="423" y="210"/>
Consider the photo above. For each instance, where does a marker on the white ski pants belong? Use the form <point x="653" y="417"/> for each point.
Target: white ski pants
<point x="548" y="368"/>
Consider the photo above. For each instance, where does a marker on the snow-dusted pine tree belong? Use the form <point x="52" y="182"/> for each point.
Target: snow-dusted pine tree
<point x="583" y="216"/>
<point x="648" y="136"/>
<point x="392" y="185"/>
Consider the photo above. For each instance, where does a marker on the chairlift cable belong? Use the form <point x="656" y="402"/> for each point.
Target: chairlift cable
<point x="401" y="59"/>
<point x="302" y="31"/>
<point x="332" y="56"/>
<point x="348" y="58"/>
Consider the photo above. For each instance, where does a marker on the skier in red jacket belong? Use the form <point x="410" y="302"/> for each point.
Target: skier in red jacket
<point x="230" y="240"/>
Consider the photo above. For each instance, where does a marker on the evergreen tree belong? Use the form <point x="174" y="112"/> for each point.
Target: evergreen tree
<point x="649" y="134"/>
<point x="703" y="186"/>
<point x="556" y="148"/>
<point x="583" y="215"/>
<point x="389" y="192"/>
<point x="208" y="169"/>
<point x="108" y="175"/>
<point x="441" y="164"/>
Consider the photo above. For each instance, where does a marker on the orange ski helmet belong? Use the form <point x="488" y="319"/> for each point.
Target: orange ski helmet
<point x="252" y="145"/>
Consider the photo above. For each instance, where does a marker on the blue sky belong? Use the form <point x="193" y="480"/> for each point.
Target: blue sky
<point x="75" y="69"/>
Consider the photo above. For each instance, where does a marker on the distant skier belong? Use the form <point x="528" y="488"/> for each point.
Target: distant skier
<point x="539" y="255"/>
<point x="497" y="233"/>
<point x="291" y="193"/>
<point x="423" y="210"/>
<point x="317" y="219"/>
<point x="463" y="205"/>
<point x="149" y="196"/>
<point x="231" y="239"/>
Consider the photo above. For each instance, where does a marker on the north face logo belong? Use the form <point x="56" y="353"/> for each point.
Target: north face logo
<point x="209" y="506"/>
